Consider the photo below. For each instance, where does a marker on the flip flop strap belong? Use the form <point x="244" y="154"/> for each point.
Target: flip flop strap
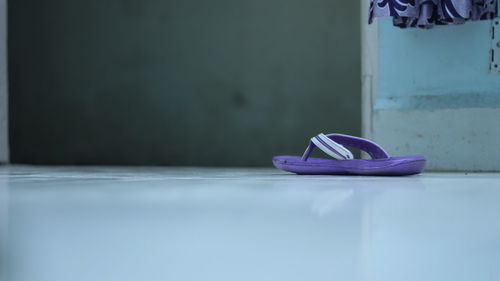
<point x="333" y="145"/>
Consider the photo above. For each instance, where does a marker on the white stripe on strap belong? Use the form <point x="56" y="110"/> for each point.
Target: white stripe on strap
<point x="332" y="148"/>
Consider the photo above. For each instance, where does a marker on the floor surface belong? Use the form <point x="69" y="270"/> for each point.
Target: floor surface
<point x="107" y="223"/>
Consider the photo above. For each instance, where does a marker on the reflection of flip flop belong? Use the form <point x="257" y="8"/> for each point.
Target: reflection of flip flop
<point x="345" y="164"/>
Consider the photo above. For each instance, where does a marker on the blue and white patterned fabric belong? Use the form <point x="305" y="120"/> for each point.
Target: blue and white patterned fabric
<point x="427" y="13"/>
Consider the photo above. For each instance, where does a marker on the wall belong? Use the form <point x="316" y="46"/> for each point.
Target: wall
<point x="191" y="82"/>
<point x="435" y="95"/>
<point x="4" y="147"/>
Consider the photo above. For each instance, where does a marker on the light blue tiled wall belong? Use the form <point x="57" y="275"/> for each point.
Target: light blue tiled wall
<point x="436" y="96"/>
<point x="444" y="67"/>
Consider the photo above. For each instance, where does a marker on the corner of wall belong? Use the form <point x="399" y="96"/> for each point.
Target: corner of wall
<point x="4" y="131"/>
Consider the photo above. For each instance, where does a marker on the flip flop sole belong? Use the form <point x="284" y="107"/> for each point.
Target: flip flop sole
<point x="393" y="166"/>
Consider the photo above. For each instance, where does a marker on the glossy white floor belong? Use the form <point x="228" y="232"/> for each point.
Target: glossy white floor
<point x="98" y="223"/>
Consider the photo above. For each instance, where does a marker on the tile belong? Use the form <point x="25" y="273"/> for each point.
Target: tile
<point x="170" y="223"/>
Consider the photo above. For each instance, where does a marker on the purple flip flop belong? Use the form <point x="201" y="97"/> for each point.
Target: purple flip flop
<point x="345" y="164"/>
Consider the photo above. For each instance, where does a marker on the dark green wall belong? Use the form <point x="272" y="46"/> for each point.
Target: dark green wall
<point x="179" y="82"/>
